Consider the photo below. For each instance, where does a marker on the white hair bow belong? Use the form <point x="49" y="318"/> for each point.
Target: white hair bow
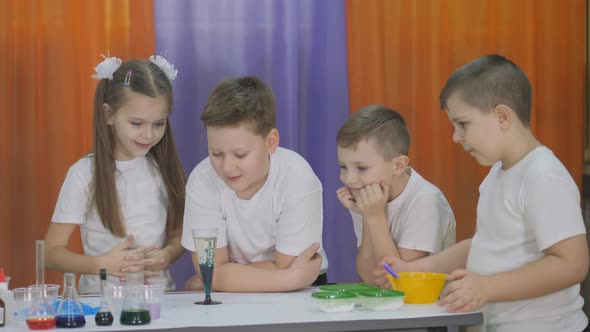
<point x="166" y="66"/>
<point x="107" y="67"/>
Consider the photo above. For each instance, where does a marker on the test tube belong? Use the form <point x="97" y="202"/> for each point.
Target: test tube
<point x="40" y="262"/>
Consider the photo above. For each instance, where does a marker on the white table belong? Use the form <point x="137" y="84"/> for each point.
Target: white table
<point x="280" y="312"/>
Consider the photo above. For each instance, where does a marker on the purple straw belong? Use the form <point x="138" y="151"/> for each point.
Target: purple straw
<point x="391" y="270"/>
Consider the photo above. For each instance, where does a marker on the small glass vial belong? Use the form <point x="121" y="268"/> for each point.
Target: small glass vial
<point x="70" y="313"/>
<point x="135" y="310"/>
<point x="103" y="317"/>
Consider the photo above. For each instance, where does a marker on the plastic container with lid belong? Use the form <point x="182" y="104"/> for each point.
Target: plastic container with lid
<point x="381" y="299"/>
<point x="348" y="287"/>
<point x="334" y="301"/>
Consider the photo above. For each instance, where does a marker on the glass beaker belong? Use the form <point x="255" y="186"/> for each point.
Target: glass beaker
<point x="135" y="310"/>
<point x="205" y="245"/>
<point x="40" y="314"/>
<point x="153" y="296"/>
<point x="69" y="311"/>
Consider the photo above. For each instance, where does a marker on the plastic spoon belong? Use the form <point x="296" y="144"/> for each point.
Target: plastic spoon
<point x="390" y="270"/>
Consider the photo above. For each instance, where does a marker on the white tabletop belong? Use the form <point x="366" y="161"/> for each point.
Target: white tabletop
<point x="277" y="311"/>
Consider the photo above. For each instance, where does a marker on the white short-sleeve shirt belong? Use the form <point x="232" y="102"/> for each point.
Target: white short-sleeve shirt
<point x="521" y="212"/>
<point x="420" y="218"/>
<point x="285" y="215"/>
<point x="143" y="200"/>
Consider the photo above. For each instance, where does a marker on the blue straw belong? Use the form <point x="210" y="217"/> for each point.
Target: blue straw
<point x="391" y="270"/>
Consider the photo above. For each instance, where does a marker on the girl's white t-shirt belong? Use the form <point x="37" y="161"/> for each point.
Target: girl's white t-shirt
<point x="420" y="218"/>
<point x="285" y="215"/>
<point x="143" y="200"/>
<point x="521" y="212"/>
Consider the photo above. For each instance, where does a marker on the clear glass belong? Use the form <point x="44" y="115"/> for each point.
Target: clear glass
<point x="49" y="292"/>
<point x="135" y="310"/>
<point x="205" y="244"/>
<point x="114" y="295"/>
<point x="69" y="311"/>
<point x="153" y="296"/>
<point x="24" y="298"/>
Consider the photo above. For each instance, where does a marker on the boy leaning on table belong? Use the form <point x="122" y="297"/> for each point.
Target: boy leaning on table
<point x="265" y="200"/>
<point x="524" y="265"/>
<point x="395" y="211"/>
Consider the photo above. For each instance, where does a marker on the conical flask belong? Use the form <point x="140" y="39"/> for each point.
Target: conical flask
<point x="135" y="310"/>
<point x="39" y="315"/>
<point x="69" y="312"/>
<point x="103" y="317"/>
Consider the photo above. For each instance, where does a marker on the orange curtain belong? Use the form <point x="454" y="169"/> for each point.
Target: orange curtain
<point x="401" y="52"/>
<point x="49" y="50"/>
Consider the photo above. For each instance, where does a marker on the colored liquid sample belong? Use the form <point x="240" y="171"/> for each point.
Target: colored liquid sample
<point x="70" y="321"/>
<point x="135" y="317"/>
<point x="43" y="323"/>
<point x="154" y="309"/>
<point x="207" y="275"/>
<point x="103" y="318"/>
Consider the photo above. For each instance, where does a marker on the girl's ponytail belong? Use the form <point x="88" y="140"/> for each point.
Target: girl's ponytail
<point x="103" y="189"/>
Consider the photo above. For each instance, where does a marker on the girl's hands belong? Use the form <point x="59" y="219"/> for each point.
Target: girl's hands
<point x="466" y="292"/>
<point x="127" y="258"/>
<point x="156" y="260"/>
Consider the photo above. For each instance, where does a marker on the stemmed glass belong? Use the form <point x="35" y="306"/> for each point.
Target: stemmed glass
<point x="205" y="244"/>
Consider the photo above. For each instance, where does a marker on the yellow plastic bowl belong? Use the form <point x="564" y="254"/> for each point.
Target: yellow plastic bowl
<point x="420" y="287"/>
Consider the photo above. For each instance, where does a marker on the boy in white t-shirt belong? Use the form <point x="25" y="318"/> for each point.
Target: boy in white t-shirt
<point x="265" y="201"/>
<point x="529" y="253"/>
<point x="395" y="211"/>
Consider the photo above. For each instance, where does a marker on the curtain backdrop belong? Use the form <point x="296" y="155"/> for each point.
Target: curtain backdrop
<point x="402" y="52"/>
<point x="395" y="52"/>
<point x="299" y="49"/>
<point x="49" y="50"/>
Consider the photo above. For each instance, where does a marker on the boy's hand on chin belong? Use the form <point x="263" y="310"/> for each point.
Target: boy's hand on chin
<point x="466" y="291"/>
<point x="346" y="199"/>
<point x="371" y="200"/>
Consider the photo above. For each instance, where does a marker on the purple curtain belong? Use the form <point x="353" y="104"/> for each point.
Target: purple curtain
<point x="299" y="49"/>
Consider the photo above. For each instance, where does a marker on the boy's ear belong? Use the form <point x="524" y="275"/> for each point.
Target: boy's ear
<point x="272" y="141"/>
<point x="108" y="113"/>
<point x="504" y="116"/>
<point x="400" y="164"/>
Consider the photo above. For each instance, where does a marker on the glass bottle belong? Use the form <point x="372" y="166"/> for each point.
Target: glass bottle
<point x="2" y="312"/>
<point x="135" y="310"/>
<point x="3" y="287"/>
<point x="103" y="317"/>
<point x="69" y="312"/>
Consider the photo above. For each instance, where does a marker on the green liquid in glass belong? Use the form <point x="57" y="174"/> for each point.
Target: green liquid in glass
<point x="135" y="317"/>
